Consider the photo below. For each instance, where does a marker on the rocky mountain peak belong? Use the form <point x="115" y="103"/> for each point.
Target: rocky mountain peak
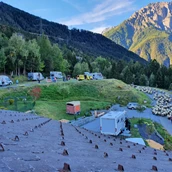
<point x="157" y="14"/>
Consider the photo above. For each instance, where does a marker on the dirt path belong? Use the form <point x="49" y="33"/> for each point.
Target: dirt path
<point x="155" y="145"/>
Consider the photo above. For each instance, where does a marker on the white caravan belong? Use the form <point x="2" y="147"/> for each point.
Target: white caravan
<point x="55" y="74"/>
<point x="33" y="76"/>
<point x="97" y="76"/>
<point x="5" y="80"/>
<point x="113" y="122"/>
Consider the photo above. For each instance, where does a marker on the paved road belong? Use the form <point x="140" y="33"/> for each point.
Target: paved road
<point x="95" y="125"/>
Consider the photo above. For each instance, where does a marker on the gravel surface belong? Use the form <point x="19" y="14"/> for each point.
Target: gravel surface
<point x="95" y="125"/>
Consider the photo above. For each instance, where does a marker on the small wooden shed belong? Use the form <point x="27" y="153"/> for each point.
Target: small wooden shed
<point x="73" y="107"/>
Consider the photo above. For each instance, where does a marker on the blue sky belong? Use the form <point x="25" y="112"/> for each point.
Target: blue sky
<point x="93" y="15"/>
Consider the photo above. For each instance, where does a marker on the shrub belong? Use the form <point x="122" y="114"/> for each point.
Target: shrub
<point x="35" y="93"/>
<point x="20" y="78"/>
<point x="3" y="108"/>
<point x="11" y="101"/>
<point x="140" y="121"/>
<point x="120" y="87"/>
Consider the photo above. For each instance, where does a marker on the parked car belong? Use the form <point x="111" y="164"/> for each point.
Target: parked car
<point x="134" y="105"/>
<point x="5" y="80"/>
<point x="83" y="77"/>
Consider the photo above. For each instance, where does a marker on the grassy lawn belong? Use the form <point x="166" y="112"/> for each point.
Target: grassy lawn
<point x="57" y="110"/>
<point x="94" y="94"/>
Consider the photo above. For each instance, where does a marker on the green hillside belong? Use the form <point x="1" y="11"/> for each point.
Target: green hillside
<point x="99" y="94"/>
<point x="147" y="33"/>
<point x="81" y="41"/>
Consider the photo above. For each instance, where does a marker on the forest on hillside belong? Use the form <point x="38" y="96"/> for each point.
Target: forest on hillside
<point x="19" y="55"/>
<point x="81" y="41"/>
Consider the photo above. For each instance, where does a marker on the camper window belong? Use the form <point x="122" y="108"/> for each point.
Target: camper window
<point x="118" y="121"/>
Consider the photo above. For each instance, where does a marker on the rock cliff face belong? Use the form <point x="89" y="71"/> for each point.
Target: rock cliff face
<point x="148" y="32"/>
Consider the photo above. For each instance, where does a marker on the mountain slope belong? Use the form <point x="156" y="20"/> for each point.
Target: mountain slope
<point x="148" y="32"/>
<point x="82" y="41"/>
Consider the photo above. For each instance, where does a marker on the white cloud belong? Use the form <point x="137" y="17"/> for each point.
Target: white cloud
<point x="101" y="12"/>
<point x="76" y="6"/>
<point x="99" y="29"/>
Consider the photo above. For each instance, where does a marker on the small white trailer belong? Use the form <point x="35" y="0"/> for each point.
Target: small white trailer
<point x="113" y="122"/>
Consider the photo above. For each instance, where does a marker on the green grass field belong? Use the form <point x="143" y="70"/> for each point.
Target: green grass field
<point x="95" y="94"/>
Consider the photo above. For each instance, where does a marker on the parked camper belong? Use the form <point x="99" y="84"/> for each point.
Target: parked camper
<point x="5" y="80"/>
<point x="34" y="76"/>
<point x="113" y="122"/>
<point x="55" y="74"/>
<point x="97" y="76"/>
<point x="73" y="107"/>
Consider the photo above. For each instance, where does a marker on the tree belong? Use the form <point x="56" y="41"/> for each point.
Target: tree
<point x="95" y="67"/>
<point x="159" y="79"/>
<point x="153" y="66"/>
<point x="34" y="62"/>
<point x="17" y="42"/>
<point x="126" y="75"/>
<point x="3" y="60"/>
<point x="143" y="80"/>
<point x="114" y="73"/>
<point x="77" y="69"/>
<point x="152" y="80"/>
<point x="46" y="53"/>
<point x="84" y="67"/>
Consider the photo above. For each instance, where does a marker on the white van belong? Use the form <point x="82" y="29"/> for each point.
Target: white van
<point x="33" y="76"/>
<point x="56" y="74"/>
<point x="113" y="122"/>
<point x="5" y="80"/>
<point x="97" y="76"/>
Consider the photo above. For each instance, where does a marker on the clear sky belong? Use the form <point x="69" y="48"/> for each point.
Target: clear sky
<point x="93" y="15"/>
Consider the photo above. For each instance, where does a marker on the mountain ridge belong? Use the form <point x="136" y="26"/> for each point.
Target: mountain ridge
<point x="82" y="41"/>
<point x="147" y="32"/>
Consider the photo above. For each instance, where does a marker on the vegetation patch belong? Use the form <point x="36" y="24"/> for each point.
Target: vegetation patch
<point x="149" y="129"/>
<point x="100" y="94"/>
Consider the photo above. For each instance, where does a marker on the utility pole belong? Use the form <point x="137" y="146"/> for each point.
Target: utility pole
<point x="40" y="25"/>
<point x="41" y="31"/>
<point x="69" y="36"/>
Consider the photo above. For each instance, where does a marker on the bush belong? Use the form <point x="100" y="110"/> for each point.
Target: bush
<point x="11" y="101"/>
<point x="140" y="121"/>
<point x="20" y="78"/>
<point x="3" y="108"/>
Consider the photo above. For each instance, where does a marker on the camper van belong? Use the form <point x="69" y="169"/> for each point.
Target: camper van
<point x="55" y="74"/>
<point x="113" y="122"/>
<point x="5" y="80"/>
<point x="33" y="76"/>
<point x="97" y="76"/>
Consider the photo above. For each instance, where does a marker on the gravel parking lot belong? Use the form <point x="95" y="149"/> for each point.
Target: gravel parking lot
<point x="95" y="125"/>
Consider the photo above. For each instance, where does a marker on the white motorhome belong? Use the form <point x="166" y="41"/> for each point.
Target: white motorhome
<point x="5" y="80"/>
<point x="113" y="122"/>
<point x="97" y="76"/>
<point x="56" y="74"/>
<point x="34" y="76"/>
